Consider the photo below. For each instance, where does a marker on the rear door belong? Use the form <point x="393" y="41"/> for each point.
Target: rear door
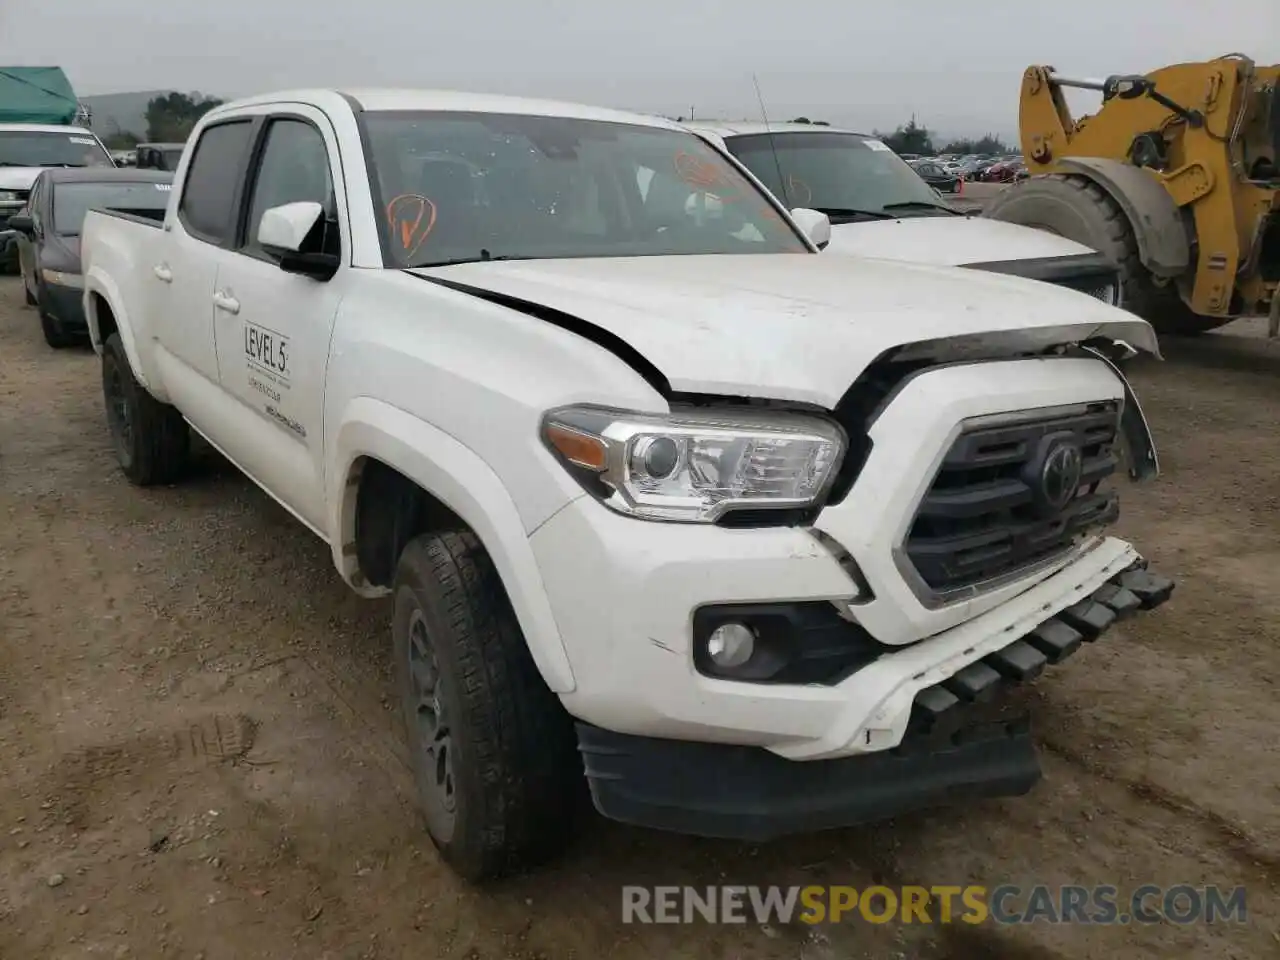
<point x="273" y="327"/>
<point x="185" y="269"/>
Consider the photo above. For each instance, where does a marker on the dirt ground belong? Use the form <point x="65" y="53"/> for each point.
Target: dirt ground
<point x="199" y="756"/>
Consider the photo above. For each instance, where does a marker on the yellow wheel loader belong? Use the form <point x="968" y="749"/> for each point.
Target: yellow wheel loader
<point x="1176" y="178"/>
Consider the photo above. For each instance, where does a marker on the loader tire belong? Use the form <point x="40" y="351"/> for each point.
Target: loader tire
<point x="493" y="751"/>
<point x="151" y="439"/>
<point x="1078" y="209"/>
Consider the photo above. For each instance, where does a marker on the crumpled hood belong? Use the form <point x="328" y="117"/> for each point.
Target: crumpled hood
<point x="19" y="178"/>
<point x="793" y="326"/>
<point x="949" y="240"/>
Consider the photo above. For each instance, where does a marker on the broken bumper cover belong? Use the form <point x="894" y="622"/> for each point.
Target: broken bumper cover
<point x="957" y="747"/>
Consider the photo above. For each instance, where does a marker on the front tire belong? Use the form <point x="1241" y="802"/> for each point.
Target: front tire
<point x="1078" y="209"/>
<point x="54" y="335"/>
<point x="493" y="750"/>
<point x="151" y="439"/>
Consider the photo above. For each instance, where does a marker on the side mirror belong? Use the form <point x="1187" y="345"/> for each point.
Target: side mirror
<point x="292" y="232"/>
<point x="22" y="223"/>
<point x="285" y="229"/>
<point x="817" y="226"/>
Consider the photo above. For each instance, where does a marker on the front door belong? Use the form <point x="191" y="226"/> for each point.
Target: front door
<point x="273" y="327"/>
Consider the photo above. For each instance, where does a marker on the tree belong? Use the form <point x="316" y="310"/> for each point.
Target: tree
<point x="988" y="144"/>
<point x="121" y="140"/>
<point x="909" y="138"/>
<point x="171" y="116"/>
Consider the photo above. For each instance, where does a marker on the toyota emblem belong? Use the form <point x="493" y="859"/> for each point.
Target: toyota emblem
<point x="1060" y="475"/>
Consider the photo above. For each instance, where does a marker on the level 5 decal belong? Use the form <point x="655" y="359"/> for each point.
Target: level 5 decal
<point x="268" y="352"/>
<point x="266" y="355"/>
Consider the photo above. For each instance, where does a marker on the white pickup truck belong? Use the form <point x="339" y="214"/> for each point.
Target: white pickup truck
<point x="880" y="207"/>
<point x="755" y="538"/>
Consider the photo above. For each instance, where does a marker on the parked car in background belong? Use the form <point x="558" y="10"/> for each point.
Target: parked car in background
<point x="935" y="176"/>
<point x="880" y="206"/>
<point x="159" y="156"/>
<point x="27" y="149"/>
<point x="48" y="230"/>
<point x="1006" y="171"/>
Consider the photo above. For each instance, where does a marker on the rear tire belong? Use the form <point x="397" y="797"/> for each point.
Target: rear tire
<point x="1078" y="209"/>
<point x="151" y="439"/>
<point x="493" y="751"/>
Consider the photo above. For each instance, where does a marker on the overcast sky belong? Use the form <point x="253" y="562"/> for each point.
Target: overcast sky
<point x="865" y="63"/>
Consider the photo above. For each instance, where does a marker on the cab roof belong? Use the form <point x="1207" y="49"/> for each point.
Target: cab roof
<point x="744" y="128"/>
<point x="394" y="100"/>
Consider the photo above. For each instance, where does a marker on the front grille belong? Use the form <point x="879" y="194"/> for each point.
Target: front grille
<point x="995" y="508"/>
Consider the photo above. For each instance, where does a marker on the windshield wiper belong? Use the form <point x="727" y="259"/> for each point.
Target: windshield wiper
<point x="482" y="257"/>
<point x="849" y="213"/>
<point x="921" y="205"/>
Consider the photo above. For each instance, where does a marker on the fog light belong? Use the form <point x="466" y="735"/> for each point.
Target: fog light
<point x="731" y="645"/>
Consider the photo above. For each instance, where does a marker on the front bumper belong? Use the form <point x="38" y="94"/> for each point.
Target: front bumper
<point x="964" y="742"/>
<point x="64" y="304"/>
<point x="625" y="592"/>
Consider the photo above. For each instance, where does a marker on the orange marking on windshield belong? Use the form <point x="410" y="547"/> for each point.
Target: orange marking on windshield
<point x="415" y="217"/>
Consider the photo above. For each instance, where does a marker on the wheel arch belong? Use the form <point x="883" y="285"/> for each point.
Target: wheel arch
<point x="104" y="316"/>
<point x="375" y="437"/>
<point x="1163" y="245"/>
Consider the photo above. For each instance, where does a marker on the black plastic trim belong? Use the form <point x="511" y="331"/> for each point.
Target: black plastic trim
<point x="748" y="793"/>
<point x="1058" y="270"/>
<point x="797" y="643"/>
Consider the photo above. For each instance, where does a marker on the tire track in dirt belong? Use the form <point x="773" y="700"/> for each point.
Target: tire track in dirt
<point x="1260" y="864"/>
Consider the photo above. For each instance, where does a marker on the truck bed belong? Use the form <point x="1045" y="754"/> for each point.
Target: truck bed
<point x="146" y="217"/>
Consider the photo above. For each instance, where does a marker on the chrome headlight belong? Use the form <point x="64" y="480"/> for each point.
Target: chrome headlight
<point x="695" y="465"/>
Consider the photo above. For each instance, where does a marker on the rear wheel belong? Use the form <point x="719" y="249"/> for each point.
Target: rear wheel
<point x="151" y="439"/>
<point x="1075" y="208"/>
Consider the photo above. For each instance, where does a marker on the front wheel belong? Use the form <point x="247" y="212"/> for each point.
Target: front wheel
<point x="151" y="439"/>
<point x="493" y="750"/>
<point x="54" y="334"/>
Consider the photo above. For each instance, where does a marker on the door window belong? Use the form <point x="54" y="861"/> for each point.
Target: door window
<point x="208" y="194"/>
<point x="294" y="168"/>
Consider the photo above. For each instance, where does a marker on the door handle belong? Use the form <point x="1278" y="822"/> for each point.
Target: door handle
<point x="163" y="272"/>
<point x="228" y="304"/>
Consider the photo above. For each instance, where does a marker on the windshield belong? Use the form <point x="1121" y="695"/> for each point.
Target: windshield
<point x="833" y="172"/>
<point x="477" y="186"/>
<point x="49" y="149"/>
<point x="71" y="201"/>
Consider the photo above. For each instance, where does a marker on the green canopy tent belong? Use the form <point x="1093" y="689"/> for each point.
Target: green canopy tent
<point x="36" y="95"/>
